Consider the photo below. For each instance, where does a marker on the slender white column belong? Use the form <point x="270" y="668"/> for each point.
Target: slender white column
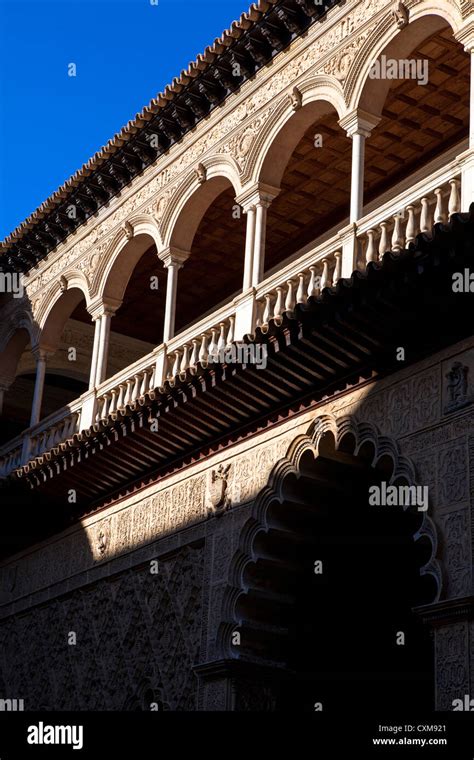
<point x="39" y="387"/>
<point x="357" y="176"/>
<point x="249" y="246"/>
<point x="259" y="245"/>
<point x="95" y="353"/>
<point x="103" y="351"/>
<point x="171" y="294"/>
<point x="471" y="108"/>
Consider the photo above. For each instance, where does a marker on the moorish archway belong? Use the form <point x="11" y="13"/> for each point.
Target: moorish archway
<point x="329" y="633"/>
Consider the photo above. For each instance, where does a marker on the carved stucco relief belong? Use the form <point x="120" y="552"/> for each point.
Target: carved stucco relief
<point x="452" y="666"/>
<point x="131" y="628"/>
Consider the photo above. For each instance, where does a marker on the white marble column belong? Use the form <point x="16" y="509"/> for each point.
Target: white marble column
<point x="249" y="246"/>
<point x="358" y="125"/>
<point x="173" y="260"/>
<point x="260" y="237"/>
<point x="41" y="357"/>
<point x="471" y="100"/>
<point x="357" y="175"/>
<point x="465" y="36"/>
<point x="95" y="352"/>
<point x="103" y="349"/>
<point x="255" y="201"/>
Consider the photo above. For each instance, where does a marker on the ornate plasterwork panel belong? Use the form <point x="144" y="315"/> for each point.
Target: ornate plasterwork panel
<point x="132" y="629"/>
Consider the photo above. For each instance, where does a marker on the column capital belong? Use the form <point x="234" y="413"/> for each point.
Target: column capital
<point x="359" y="122"/>
<point x="258" y="194"/>
<point x="42" y="353"/>
<point x="101" y="307"/>
<point x="173" y="256"/>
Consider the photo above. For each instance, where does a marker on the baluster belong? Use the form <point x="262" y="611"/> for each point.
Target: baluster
<point x="128" y="393"/>
<point x="313" y="288"/>
<point x="230" y="334"/>
<point x="384" y="244"/>
<point x="221" y="342"/>
<point x="290" y="297"/>
<point x="454" y="205"/>
<point x="121" y="396"/>
<point x="136" y="387"/>
<point x="185" y="358"/>
<point x="397" y="236"/>
<point x="267" y="309"/>
<point x="145" y="385"/>
<point x="175" y="368"/>
<point x="104" y="406"/>
<point x="337" y="267"/>
<point x="204" y="351"/>
<point x="425" y="218"/>
<point x="150" y="384"/>
<point x="440" y="214"/>
<point x="300" y="295"/>
<point x="325" y="281"/>
<point x="371" y="252"/>
<point x="195" y="354"/>
<point x="213" y="344"/>
<point x="411" y="225"/>
<point x="278" y="303"/>
<point x="113" y="401"/>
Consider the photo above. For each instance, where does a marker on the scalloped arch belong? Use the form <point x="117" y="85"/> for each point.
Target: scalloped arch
<point x="344" y="430"/>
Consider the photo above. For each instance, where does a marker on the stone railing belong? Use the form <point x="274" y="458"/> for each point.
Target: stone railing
<point x="165" y="363"/>
<point x="395" y="225"/>
<point x="392" y="224"/>
<point x="51" y="432"/>
<point x="10" y="456"/>
<point x="54" y="430"/>
<point x="303" y="279"/>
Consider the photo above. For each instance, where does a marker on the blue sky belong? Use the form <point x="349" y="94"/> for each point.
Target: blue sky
<point x="125" y="52"/>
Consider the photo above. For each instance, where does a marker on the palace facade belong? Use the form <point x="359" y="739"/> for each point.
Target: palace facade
<point x="232" y="325"/>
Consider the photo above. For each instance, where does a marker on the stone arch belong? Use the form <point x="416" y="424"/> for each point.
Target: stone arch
<point x="276" y="142"/>
<point x="11" y="350"/>
<point x="70" y="280"/>
<point x="57" y="307"/>
<point x="122" y="255"/>
<point x="19" y="319"/>
<point x="424" y="19"/>
<point x="347" y="439"/>
<point x="192" y="198"/>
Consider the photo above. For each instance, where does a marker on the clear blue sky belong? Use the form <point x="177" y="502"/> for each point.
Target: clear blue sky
<point x="125" y="52"/>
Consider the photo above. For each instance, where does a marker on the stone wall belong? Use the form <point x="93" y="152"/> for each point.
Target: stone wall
<point x="141" y="627"/>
